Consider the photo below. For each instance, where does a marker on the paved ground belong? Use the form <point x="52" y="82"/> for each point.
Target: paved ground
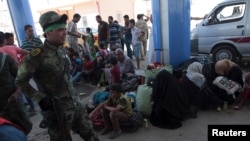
<point x="192" y="129"/>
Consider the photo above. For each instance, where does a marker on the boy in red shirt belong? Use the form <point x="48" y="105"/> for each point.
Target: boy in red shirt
<point x="115" y="71"/>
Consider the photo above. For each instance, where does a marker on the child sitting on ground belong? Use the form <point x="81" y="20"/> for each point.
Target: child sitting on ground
<point x="114" y="110"/>
<point x="77" y="64"/>
<point x="88" y="66"/>
<point x="245" y="94"/>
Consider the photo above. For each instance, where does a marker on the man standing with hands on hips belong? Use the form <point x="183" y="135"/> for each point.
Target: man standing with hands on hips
<point x="60" y="106"/>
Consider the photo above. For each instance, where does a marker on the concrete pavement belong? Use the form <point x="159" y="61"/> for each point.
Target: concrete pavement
<point x="192" y="129"/>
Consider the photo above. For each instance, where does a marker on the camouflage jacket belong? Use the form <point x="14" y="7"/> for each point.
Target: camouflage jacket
<point x="50" y="66"/>
<point x="142" y="25"/>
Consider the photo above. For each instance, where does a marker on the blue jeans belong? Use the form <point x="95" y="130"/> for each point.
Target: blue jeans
<point x="76" y="77"/>
<point x="137" y="50"/>
<point x="22" y="99"/>
<point x="128" y="46"/>
<point x="31" y="103"/>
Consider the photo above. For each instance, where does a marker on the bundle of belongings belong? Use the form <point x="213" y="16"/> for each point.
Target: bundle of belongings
<point x="130" y="82"/>
<point x="153" y="69"/>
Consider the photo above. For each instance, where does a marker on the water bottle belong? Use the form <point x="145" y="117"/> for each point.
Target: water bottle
<point x="145" y="123"/>
<point x="225" y="105"/>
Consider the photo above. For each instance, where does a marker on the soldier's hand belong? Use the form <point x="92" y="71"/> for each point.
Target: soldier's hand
<point x="45" y="103"/>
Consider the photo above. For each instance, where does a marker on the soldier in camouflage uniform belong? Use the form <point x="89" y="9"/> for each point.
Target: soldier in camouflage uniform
<point x="50" y="65"/>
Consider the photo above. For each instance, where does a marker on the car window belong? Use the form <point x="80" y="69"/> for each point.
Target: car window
<point x="228" y="13"/>
<point x="231" y="12"/>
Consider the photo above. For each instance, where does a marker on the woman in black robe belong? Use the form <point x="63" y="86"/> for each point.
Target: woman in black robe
<point x="170" y="104"/>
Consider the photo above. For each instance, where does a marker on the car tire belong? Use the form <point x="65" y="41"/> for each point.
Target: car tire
<point x="224" y="52"/>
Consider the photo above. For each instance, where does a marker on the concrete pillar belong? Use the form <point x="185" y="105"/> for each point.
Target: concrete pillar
<point x="21" y="15"/>
<point x="157" y="29"/>
<point x="171" y="30"/>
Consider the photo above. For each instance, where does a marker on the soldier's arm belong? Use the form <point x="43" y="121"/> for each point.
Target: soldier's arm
<point x="25" y="72"/>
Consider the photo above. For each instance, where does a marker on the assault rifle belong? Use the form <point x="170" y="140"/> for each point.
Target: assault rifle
<point x="61" y="119"/>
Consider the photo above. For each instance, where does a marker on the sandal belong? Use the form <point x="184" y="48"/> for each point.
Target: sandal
<point x="105" y="131"/>
<point x="218" y="109"/>
<point x="236" y="107"/>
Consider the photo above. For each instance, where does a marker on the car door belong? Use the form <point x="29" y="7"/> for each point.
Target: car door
<point x="227" y="23"/>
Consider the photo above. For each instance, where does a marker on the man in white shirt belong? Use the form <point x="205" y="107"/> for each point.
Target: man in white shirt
<point x="136" y="43"/>
<point x="72" y="33"/>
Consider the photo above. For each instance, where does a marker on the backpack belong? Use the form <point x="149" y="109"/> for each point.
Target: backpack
<point x="100" y="97"/>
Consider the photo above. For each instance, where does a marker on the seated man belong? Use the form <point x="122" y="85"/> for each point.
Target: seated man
<point x="116" y="108"/>
<point x="125" y="63"/>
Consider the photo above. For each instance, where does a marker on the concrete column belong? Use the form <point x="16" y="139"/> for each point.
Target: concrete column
<point x="21" y="15"/>
<point x="157" y="29"/>
<point x="171" y="30"/>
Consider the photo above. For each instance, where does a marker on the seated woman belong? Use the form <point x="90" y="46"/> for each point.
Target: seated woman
<point x="170" y="104"/>
<point x="192" y="82"/>
<point x="231" y="71"/>
<point x="225" y="68"/>
<point x="99" y="65"/>
<point x="116" y="108"/>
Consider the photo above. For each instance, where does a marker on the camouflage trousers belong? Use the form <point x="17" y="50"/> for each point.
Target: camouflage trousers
<point x="81" y="125"/>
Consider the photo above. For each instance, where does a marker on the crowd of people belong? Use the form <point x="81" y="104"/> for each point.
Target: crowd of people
<point x="56" y="69"/>
<point x="93" y="63"/>
<point x="62" y="67"/>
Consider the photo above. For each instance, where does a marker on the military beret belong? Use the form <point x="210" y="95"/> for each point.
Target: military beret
<point x="51" y="20"/>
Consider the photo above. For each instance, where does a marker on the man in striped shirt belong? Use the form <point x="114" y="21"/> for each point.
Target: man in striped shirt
<point x="30" y="42"/>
